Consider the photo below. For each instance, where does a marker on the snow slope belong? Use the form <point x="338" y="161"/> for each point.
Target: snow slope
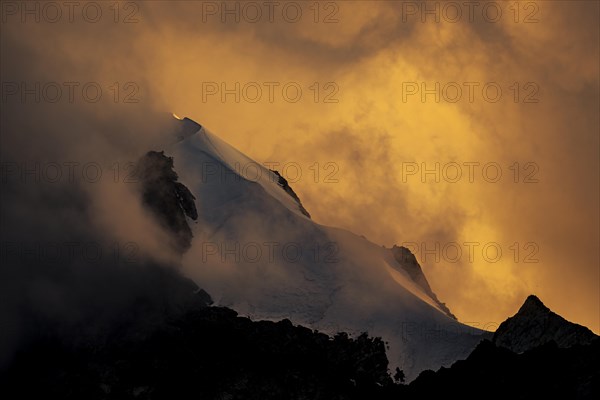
<point x="255" y="250"/>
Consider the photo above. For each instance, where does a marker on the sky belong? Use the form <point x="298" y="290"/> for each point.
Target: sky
<point x="466" y="131"/>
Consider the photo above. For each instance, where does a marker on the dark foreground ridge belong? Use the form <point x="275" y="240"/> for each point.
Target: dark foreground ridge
<point x="212" y="353"/>
<point x="207" y="353"/>
<point x="535" y="354"/>
<point x="492" y="372"/>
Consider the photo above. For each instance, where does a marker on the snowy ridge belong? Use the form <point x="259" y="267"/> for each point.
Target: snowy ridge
<point x="228" y="162"/>
<point x="254" y="250"/>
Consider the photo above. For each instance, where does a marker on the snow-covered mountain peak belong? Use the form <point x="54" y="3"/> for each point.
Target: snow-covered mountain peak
<point x="218" y="164"/>
<point x="256" y="250"/>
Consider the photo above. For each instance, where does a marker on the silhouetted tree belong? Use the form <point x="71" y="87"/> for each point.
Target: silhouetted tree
<point x="399" y="375"/>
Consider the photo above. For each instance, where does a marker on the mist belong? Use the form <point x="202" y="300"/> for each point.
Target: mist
<point x="354" y="134"/>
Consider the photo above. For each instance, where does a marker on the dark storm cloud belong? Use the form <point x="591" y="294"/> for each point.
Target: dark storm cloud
<point x="74" y="236"/>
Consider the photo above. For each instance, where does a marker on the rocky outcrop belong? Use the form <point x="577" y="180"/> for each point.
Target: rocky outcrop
<point x="408" y="262"/>
<point x="535" y="325"/>
<point x="281" y="181"/>
<point x="169" y="200"/>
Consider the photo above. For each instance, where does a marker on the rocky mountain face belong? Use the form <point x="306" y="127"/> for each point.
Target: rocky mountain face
<point x="281" y="181"/>
<point x="535" y="325"/>
<point x="169" y="200"/>
<point x="408" y="262"/>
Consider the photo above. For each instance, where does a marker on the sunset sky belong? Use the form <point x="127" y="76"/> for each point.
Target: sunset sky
<point x="511" y="88"/>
